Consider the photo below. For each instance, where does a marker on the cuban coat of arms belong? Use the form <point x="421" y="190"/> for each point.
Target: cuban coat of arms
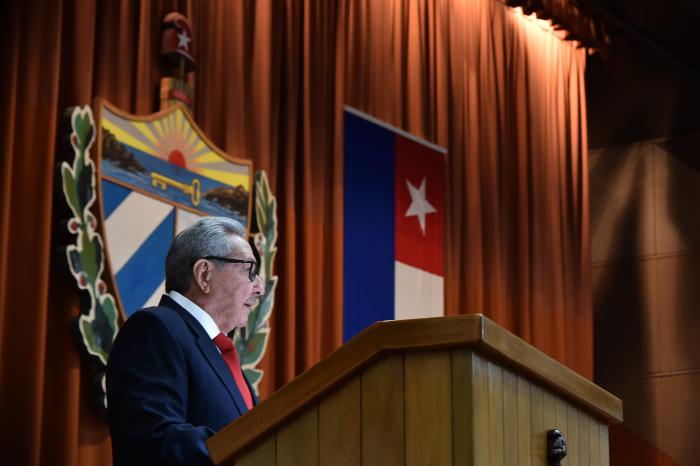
<point x="151" y="178"/>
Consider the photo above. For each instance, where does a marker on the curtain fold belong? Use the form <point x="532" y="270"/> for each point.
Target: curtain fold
<point x="505" y="96"/>
<point x="499" y="90"/>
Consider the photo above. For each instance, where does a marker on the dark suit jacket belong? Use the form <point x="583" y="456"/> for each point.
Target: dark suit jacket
<point x="168" y="389"/>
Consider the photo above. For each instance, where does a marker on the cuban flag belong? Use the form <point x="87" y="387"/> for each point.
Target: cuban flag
<point x="394" y="214"/>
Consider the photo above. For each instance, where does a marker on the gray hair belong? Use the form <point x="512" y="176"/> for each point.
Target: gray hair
<point x="207" y="236"/>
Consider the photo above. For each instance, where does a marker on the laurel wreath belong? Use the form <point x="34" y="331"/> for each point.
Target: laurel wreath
<point x="98" y="324"/>
<point x="252" y="342"/>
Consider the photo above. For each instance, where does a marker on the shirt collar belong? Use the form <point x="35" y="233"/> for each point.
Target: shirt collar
<point x="197" y="312"/>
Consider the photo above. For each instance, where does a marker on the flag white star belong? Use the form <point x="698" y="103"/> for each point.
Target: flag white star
<point x="419" y="204"/>
<point x="183" y="40"/>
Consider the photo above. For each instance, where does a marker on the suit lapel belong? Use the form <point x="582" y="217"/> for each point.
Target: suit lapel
<point x="216" y="361"/>
<point x="210" y="352"/>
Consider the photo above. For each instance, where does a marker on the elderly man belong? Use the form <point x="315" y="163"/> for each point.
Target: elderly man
<point x="173" y="377"/>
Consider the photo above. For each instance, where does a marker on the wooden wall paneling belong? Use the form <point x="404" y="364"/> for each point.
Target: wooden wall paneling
<point x="594" y="438"/>
<point x="495" y="425"/>
<point x="480" y="382"/>
<point x="561" y="415"/>
<point x="297" y="442"/>
<point x="537" y="445"/>
<point x="383" y="421"/>
<point x="549" y="414"/>
<point x="572" y="440"/>
<point x="428" y="405"/>
<point x="549" y="420"/>
<point x="339" y="426"/>
<point x="510" y="418"/>
<point x="584" y="439"/>
<point x="262" y="454"/>
<point x="604" y="445"/>
<point x="524" y="408"/>
<point x="463" y="407"/>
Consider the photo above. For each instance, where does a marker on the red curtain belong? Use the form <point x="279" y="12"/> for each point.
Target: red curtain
<point x="507" y="98"/>
<point x="501" y="92"/>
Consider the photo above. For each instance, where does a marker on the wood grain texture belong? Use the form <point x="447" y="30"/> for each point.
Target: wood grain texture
<point x="584" y="440"/>
<point x="490" y="407"/>
<point x="339" y="426"/>
<point x="549" y="414"/>
<point x="561" y="414"/>
<point x="481" y="411"/>
<point x="525" y="359"/>
<point x="383" y="413"/>
<point x="538" y="432"/>
<point x="604" y="445"/>
<point x="509" y="441"/>
<point x="466" y="331"/>
<point x="594" y="445"/>
<point x="463" y="407"/>
<point x="573" y="443"/>
<point x="262" y="454"/>
<point x="524" y="402"/>
<point x="495" y="423"/>
<point x="428" y="408"/>
<point x="549" y="417"/>
<point x="297" y="442"/>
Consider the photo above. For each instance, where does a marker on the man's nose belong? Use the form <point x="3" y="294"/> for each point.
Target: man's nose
<point x="259" y="285"/>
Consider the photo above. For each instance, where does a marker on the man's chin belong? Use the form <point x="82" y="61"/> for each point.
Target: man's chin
<point x="242" y="324"/>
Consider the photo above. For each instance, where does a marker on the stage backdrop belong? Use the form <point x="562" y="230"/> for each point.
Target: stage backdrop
<point x="503" y="94"/>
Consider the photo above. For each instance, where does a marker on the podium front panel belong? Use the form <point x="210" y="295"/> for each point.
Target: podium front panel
<point x="447" y="407"/>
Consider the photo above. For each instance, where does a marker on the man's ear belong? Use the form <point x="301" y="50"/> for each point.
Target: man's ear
<point x="201" y="274"/>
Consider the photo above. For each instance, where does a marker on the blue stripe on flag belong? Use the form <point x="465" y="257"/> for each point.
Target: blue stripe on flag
<point x="145" y="270"/>
<point x="368" y="275"/>
<point x="112" y="196"/>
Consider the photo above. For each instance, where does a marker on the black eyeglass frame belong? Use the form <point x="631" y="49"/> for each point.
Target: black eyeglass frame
<point x="252" y="271"/>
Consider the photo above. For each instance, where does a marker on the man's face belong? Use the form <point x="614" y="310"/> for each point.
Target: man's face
<point x="233" y="295"/>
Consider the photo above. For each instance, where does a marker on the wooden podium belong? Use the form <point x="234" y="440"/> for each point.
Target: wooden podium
<point x="439" y="391"/>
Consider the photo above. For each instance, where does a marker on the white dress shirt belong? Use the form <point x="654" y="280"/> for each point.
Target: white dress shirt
<point x="198" y="313"/>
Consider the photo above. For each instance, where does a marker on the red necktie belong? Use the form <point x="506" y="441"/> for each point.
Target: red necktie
<point x="225" y="345"/>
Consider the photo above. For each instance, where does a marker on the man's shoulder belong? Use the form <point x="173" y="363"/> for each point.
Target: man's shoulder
<point x="148" y="329"/>
<point x="155" y="316"/>
<point x="154" y="320"/>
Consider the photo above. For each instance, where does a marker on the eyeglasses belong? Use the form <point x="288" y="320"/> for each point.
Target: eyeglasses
<point x="252" y="272"/>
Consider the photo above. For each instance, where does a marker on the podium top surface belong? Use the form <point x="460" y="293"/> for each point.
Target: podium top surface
<point x="467" y="331"/>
